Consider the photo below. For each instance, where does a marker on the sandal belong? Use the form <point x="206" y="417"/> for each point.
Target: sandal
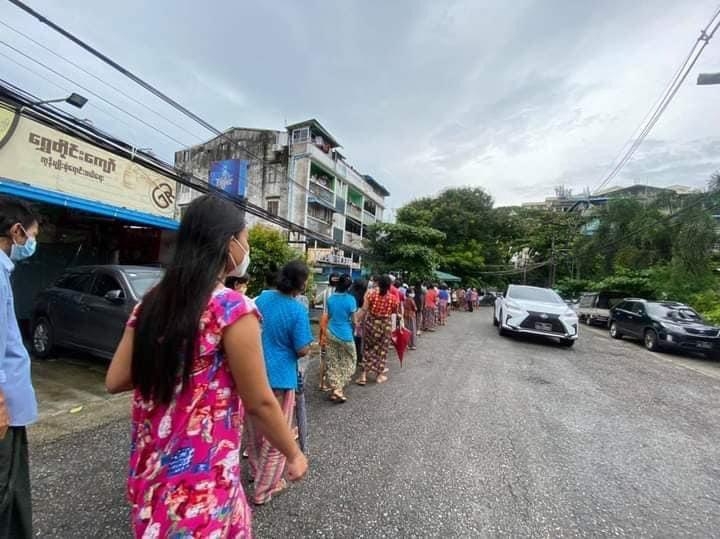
<point x="337" y="398"/>
<point x="361" y="381"/>
<point x="381" y="379"/>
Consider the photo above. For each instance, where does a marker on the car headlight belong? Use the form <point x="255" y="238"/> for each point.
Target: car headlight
<point x="512" y="306"/>
<point x="570" y="314"/>
<point x="673" y="327"/>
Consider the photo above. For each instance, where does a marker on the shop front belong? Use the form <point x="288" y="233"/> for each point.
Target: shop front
<point x="96" y="206"/>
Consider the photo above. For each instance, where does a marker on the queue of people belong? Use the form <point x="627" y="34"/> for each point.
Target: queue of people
<point x="211" y="371"/>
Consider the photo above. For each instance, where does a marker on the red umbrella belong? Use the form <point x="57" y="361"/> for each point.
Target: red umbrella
<point x="401" y="339"/>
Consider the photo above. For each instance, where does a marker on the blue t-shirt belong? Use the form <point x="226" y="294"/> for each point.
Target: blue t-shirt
<point x="444" y="295"/>
<point x="285" y="331"/>
<point x="340" y="309"/>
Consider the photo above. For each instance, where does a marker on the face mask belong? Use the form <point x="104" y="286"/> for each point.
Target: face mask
<point x="21" y="252"/>
<point x="240" y="269"/>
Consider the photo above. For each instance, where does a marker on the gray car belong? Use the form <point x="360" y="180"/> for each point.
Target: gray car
<point x="87" y="307"/>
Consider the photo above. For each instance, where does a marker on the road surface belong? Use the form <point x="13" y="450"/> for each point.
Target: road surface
<point x="476" y="436"/>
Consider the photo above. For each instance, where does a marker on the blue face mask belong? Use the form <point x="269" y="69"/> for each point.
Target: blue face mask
<point x="21" y="252"/>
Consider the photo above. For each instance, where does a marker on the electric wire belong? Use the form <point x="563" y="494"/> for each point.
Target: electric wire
<point x="676" y="83"/>
<point x="100" y="80"/>
<point x="91" y="92"/>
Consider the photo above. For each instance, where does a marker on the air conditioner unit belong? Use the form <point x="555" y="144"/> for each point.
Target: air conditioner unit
<point x="277" y="147"/>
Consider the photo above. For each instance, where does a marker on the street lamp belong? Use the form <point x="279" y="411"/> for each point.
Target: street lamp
<point x="76" y="100"/>
<point x="706" y="79"/>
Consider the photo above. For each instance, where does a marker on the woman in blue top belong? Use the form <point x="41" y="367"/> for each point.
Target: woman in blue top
<point x="286" y="337"/>
<point x="340" y="356"/>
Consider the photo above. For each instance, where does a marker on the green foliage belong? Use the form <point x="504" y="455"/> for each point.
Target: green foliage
<point x="707" y="303"/>
<point x="572" y="288"/>
<point x="269" y="250"/>
<point x="403" y="248"/>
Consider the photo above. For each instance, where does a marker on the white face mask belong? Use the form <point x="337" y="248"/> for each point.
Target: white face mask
<point x="242" y="267"/>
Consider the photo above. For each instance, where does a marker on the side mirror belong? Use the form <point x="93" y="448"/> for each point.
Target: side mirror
<point x="115" y="296"/>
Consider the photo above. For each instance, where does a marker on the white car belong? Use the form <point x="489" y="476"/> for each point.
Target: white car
<point x="535" y="311"/>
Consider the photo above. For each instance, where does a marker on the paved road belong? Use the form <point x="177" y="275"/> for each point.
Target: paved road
<point x="476" y="436"/>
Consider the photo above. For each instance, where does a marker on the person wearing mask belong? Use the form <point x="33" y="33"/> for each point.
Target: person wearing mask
<point x="286" y="337"/>
<point x="332" y="283"/>
<point x="18" y="406"/>
<point x="377" y="311"/>
<point x="341" y="356"/>
<point x="358" y="291"/>
<point x="193" y="356"/>
<point x="410" y="317"/>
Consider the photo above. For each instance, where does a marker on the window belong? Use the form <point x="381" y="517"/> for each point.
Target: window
<point x="79" y="282"/>
<point x="301" y="135"/>
<point x="273" y="206"/>
<point x="638" y="308"/>
<point x="272" y="175"/>
<point x="105" y="283"/>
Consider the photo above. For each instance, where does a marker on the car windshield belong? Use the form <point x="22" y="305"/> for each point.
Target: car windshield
<point x="142" y="281"/>
<point x="534" y="294"/>
<point x="679" y="312"/>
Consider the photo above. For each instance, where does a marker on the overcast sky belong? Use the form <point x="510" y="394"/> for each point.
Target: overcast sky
<point x="513" y="96"/>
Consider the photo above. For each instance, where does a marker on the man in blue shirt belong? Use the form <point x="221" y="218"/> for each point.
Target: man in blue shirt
<point x="18" y="407"/>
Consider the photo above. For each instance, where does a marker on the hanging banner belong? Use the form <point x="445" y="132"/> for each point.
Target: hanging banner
<point x="41" y="156"/>
<point x="230" y="175"/>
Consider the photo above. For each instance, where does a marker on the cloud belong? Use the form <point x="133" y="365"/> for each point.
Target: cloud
<point x="515" y="97"/>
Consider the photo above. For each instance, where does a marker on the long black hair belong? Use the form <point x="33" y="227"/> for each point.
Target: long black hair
<point x="292" y="277"/>
<point x="358" y="290"/>
<point x="384" y="283"/>
<point x="167" y="327"/>
<point x="343" y="284"/>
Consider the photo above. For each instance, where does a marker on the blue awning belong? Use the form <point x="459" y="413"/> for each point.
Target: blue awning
<point x="23" y="190"/>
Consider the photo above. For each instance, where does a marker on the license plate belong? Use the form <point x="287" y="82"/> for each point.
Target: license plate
<point x="540" y="326"/>
<point x="704" y="345"/>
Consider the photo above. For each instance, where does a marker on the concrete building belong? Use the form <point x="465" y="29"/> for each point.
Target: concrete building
<point x="298" y="174"/>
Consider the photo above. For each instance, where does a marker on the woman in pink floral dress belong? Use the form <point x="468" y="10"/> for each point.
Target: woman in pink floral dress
<point x="192" y="354"/>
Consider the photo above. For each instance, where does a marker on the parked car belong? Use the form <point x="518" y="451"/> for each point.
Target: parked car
<point x="595" y="307"/>
<point x="87" y="307"/>
<point x="664" y="325"/>
<point x="536" y="311"/>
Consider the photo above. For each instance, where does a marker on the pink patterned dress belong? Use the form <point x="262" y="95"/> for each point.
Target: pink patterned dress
<point x="184" y="479"/>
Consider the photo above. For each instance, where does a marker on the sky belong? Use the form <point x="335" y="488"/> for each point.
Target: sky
<point x="514" y="97"/>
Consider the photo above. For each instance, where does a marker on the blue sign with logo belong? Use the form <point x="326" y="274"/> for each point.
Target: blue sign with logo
<point x="230" y="176"/>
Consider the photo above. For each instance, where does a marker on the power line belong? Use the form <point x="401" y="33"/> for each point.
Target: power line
<point x="675" y="84"/>
<point x="147" y="86"/>
<point x="99" y="79"/>
<point x="69" y="122"/>
<point x="88" y="90"/>
<point x="64" y="89"/>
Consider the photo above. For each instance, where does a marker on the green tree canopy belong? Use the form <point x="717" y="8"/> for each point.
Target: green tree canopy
<point x="269" y="252"/>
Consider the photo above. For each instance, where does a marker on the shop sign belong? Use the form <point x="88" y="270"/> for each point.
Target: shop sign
<point x="41" y="156"/>
<point x="230" y="176"/>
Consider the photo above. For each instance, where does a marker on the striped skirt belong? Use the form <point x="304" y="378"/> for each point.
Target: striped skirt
<point x="376" y="342"/>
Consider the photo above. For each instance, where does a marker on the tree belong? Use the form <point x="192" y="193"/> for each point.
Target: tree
<point x="410" y="250"/>
<point x="269" y="252"/>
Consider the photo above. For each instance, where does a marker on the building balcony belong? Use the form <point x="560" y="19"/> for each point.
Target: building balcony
<point x="322" y="193"/>
<point x="325" y="159"/>
<point x="354" y="240"/>
<point x="368" y="218"/>
<point x="354" y="211"/>
<point x="319" y="226"/>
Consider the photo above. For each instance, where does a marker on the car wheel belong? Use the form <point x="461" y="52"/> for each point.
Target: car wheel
<point x="567" y="343"/>
<point x="42" y="338"/>
<point x="614" y="331"/>
<point x="651" y="340"/>
<point x="501" y="330"/>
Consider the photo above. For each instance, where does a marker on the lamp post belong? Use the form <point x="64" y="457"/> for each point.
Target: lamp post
<point x="707" y="79"/>
<point x="76" y="100"/>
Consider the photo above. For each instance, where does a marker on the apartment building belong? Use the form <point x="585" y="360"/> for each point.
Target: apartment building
<point x="298" y="174"/>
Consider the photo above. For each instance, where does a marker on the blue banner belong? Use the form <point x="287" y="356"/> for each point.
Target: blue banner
<point x="230" y="176"/>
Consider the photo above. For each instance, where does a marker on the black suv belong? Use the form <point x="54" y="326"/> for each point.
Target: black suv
<point x="664" y="325"/>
